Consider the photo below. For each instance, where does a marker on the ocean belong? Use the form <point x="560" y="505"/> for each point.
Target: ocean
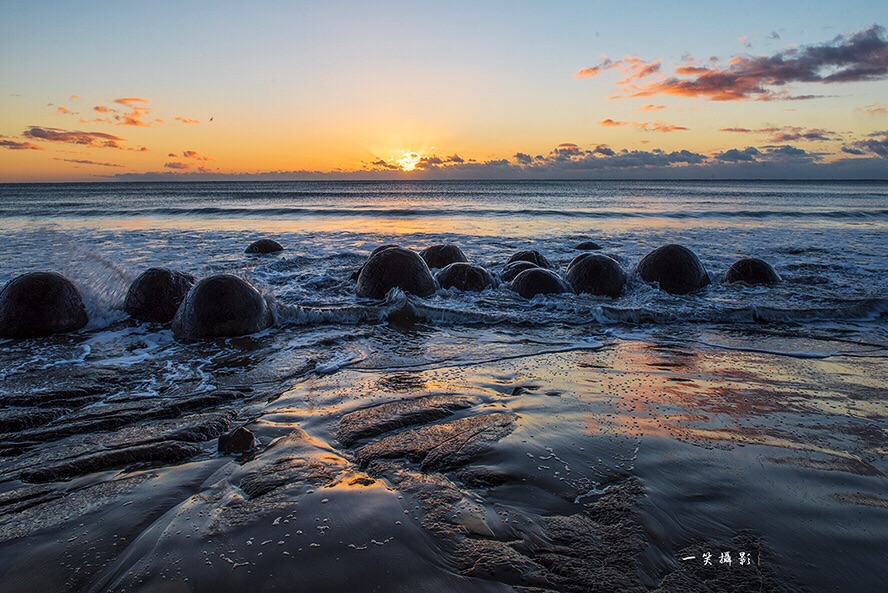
<point x="632" y="433"/>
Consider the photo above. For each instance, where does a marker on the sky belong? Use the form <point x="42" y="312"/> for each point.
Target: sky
<point x="93" y="91"/>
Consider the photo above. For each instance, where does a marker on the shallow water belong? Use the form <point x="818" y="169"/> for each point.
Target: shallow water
<point x="752" y="419"/>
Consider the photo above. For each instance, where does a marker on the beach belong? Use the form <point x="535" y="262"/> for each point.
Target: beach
<point x="732" y="439"/>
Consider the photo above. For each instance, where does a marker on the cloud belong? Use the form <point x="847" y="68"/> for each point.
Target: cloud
<point x="185" y="120"/>
<point x="136" y="115"/>
<point x="657" y="126"/>
<point x="634" y="69"/>
<point x="177" y="165"/>
<point x="74" y="98"/>
<point x="873" y="109"/>
<point x="874" y="147"/>
<point x="787" y="133"/>
<point x="650" y="107"/>
<point x="13" y="145"/>
<point x="862" y="56"/>
<point x="63" y="111"/>
<point x="192" y="154"/>
<point x="131" y="101"/>
<point x="735" y="155"/>
<point x="523" y="158"/>
<point x="92" y="139"/>
<point x="103" y="109"/>
<point x="88" y="162"/>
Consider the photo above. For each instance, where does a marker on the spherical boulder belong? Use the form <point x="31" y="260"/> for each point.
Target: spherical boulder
<point x="588" y="246"/>
<point x="239" y="440"/>
<point x="394" y="267"/>
<point x="513" y="269"/>
<point x="596" y="274"/>
<point x="38" y="304"/>
<point x="532" y="256"/>
<point x="357" y="272"/>
<point x="751" y="271"/>
<point x="534" y="281"/>
<point x="675" y="268"/>
<point x="441" y="256"/>
<point x="465" y="276"/>
<point x="263" y="246"/>
<point x="221" y="306"/>
<point x="156" y="294"/>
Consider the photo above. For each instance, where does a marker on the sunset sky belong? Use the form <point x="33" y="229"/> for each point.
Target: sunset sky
<point x="181" y="90"/>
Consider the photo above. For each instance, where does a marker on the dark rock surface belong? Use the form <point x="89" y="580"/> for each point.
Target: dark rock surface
<point x="439" y="447"/>
<point x="530" y="283"/>
<point x="588" y="246"/>
<point x="156" y="294"/>
<point x="239" y="440"/>
<point x="466" y="277"/>
<point x="513" y="269"/>
<point x="263" y="246"/>
<point x="441" y="256"/>
<point x="370" y="422"/>
<point x="596" y="274"/>
<point x="532" y="256"/>
<point x="751" y="271"/>
<point x="357" y="272"/>
<point x="675" y="268"/>
<point x="39" y="304"/>
<point x="221" y="306"/>
<point x="394" y="267"/>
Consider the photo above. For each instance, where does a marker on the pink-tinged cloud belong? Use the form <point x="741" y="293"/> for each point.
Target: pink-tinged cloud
<point x="74" y="98"/>
<point x="634" y="69"/>
<point x="173" y="155"/>
<point x="136" y="115"/>
<point x="88" y="162"/>
<point x="873" y="109"/>
<point x="609" y="123"/>
<point x="103" y="109"/>
<point x="177" y="165"/>
<point x="13" y="145"/>
<point x="872" y="147"/>
<point x="63" y="111"/>
<point x="185" y="120"/>
<point x="193" y="154"/>
<point x="657" y="126"/>
<point x="650" y="107"/>
<point x="861" y="57"/>
<point x="131" y="101"/>
<point x="92" y="139"/>
<point x="787" y="133"/>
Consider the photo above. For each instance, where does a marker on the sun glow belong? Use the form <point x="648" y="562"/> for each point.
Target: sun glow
<point x="409" y="161"/>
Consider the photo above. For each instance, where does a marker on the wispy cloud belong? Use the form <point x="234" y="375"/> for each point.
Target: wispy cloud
<point x="186" y="120"/>
<point x="650" y="107"/>
<point x="137" y="113"/>
<point x="656" y="126"/>
<point x="632" y="67"/>
<point x="74" y="98"/>
<point x="874" y="147"/>
<point x="14" y="145"/>
<point x="873" y="109"/>
<point x="862" y="56"/>
<point x="89" y="162"/>
<point x="193" y="154"/>
<point x="63" y="111"/>
<point x="177" y="165"/>
<point x="92" y="139"/>
<point x="787" y="133"/>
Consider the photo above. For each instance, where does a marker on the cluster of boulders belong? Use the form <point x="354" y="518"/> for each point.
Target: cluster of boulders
<point x="44" y="303"/>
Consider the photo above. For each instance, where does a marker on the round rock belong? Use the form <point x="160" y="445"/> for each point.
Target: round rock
<point x="39" y="304"/>
<point x="513" y="269"/>
<point x="534" y="281"/>
<point x="441" y="256"/>
<point x="596" y="274"/>
<point x="675" y="268"/>
<point x="532" y="256"/>
<point x="588" y="246"/>
<point x="239" y="440"/>
<point x="465" y="276"/>
<point x="221" y="306"/>
<point x="156" y="294"/>
<point x="752" y="271"/>
<point x="357" y="272"/>
<point x="264" y="246"/>
<point x="394" y="267"/>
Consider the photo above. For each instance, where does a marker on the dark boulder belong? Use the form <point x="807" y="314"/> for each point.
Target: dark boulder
<point x="588" y="246"/>
<point x="534" y="281"/>
<point x="221" y="306"/>
<point x="675" y="268"/>
<point x="441" y="256"/>
<point x="394" y="267"/>
<point x="39" y="304"/>
<point x="596" y="274"/>
<point x="239" y="440"/>
<point x="357" y="272"/>
<point x="465" y="276"/>
<point x="513" y="269"/>
<point x="264" y="246"/>
<point x="156" y="294"/>
<point x="752" y="271"/>
<point x="532" y="256"/>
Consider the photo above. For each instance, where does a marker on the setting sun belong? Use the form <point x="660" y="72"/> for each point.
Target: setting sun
<point x="409" y="161"/>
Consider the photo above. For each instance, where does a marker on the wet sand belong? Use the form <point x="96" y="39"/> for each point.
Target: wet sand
<point x="416" y="458"/>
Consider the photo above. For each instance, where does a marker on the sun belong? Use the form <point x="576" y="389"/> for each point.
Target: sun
<point x="409" y="161"/>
